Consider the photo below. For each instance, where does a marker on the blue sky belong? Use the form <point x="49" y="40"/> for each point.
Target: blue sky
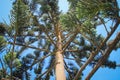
<point x="102" y="73"/>
<point x="5" y="6"/>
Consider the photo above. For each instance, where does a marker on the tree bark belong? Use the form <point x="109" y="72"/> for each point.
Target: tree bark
<point x="59" y="66"/>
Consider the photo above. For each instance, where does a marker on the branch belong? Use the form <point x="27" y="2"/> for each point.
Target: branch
<point x="103" y="24"/>
<point x="69" y="41"/>
<point x="74" y="59"/>
<point x="67" y="35"/>
<point x="68" y="70"/>
<point x="90" y="40"/>
<point x="27" y="46"/>
<point x="44" y="29"/>
<point x="51" y="40"/>
<point x="73" y="50"/>
<point x="77" y="50"/>
<point x="2" y="64"/>
<point x="93" y="54"/>
<point x="104" y="57"/>
<point x="36" y="61"/>
<point x="47" y="71"/>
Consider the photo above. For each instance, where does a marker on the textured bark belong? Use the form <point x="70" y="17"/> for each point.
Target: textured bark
<point x="59" y="67"/>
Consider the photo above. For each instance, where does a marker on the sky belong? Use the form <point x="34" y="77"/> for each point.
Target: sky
<point x="5" y="6"/>
<point x="102" y="73"/>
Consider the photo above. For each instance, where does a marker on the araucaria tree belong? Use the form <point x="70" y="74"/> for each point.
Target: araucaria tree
<point x="42" y="41"/>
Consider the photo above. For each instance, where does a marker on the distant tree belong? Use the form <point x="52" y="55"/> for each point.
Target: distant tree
<point x="49" y="43"/>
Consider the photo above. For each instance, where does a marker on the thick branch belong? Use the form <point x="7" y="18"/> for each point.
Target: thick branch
<point x="93" y="54"/>
<point x="104" y="57"/>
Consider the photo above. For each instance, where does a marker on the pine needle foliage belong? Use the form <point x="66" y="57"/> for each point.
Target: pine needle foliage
<point x="40" y="35"/>
<point x="20" y="17"/>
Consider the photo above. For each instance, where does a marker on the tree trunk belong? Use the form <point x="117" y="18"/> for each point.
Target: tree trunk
<point x="59" y="66"/>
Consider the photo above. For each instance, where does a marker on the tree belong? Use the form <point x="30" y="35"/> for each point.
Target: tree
<point x="55" y="39"/>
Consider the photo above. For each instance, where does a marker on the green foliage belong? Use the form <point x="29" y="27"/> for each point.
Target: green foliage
<point x="2" y="29"/>
<point x="110" y="64"/>
<point x="11" y="58"/>
<point x="49" y="5"/>
<point x="22" y="72"/>
<point x="2" y="42"/>
<point x="88" y="13"/>
<point x="20" y="17"/>
<point x="67" y="22"/>
<point x="78" y="19"/>
<point x="91" y="8"/>
<point x="3" y="73"/>
<point x="47" y="10"/>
